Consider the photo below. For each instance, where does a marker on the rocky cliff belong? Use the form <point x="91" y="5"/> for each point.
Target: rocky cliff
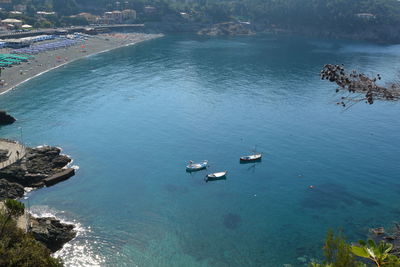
<point x="39" y="164"/>
<point x="51" y="232"/>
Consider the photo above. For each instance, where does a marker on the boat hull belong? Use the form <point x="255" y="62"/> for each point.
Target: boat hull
<point x="251" y="158"/>
<point x="216" y="176"/>
<point x="196" y="166"/>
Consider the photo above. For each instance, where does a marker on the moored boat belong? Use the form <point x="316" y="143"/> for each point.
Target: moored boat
<point x="251" y="158"/>
<point x="216" y="175"/>
<point x="192" y="167"/>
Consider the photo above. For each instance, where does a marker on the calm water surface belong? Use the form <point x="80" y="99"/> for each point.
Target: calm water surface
<point x="132" y="118"/>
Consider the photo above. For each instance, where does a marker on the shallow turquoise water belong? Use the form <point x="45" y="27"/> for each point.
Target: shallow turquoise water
<point x="133" y="117"/>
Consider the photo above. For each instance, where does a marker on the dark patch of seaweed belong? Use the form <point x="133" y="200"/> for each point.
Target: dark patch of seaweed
<point x="232" y="220"/>
<point x="333" y="196"/>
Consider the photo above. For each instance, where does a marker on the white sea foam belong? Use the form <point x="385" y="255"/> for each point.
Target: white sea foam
<point x="76" y="167"/>
<point x="79" y="251"/>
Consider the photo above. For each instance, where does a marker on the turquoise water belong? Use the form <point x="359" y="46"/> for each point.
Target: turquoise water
<point x="133" y="117"/>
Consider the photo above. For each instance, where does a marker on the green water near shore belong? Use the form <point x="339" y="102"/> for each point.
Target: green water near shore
<point x="133" y="117"/>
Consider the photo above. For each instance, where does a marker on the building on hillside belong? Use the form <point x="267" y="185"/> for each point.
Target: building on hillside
<point x="117" y="15"/>
<point x="112" y="17"/>
<point x="43" y="14"/>
<point x="128" y="14"/>
<point x="20" y="8"/>
<point x="6" y="4"/>
<point x="366" y="16"/>
<point x="13" y="22"/>
<point x="107" y="18"/>
<point x="26" y="27"/>
<point x="184" y="15"/>
<point x="92" y="19"/>
<point x="150" y="9"/>
<point x="15" y="12"/>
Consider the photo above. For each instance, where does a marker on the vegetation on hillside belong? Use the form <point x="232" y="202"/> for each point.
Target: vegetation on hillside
<point x="349" y="16"/>
<point x="18" y="249"/>
<point x="338" y="253"/>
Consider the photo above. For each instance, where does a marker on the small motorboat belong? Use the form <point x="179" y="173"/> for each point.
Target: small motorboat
<point x="192" y="167"/>
<point x="251" y="158"/>
<point x="216" y="176"/>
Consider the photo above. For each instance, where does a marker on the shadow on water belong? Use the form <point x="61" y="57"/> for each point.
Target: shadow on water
<point x="231" y="220"/>
<point x="333" y="196"/>
<point x="175" y="189"/>
<point x="250" y="162"/>
<point x="207" y="179"/>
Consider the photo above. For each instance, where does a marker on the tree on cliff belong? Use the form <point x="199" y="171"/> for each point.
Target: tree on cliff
<point x="12" y="209"/>
<point x="359" y="87"/>
<point x="338" y="253"/>
<point x="18" y="248"/>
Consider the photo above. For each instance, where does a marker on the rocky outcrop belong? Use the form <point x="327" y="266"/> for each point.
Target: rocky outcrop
<point x="51" y="232"/>
<point x="392" y="236"/>
<point x="10" y="190"/>
<point x="59" y="177"/>
<point x="227" y="29"/>
<point x="38" y="164"/>
<point x="6" y="118"/>
<point x="41" y="166"/>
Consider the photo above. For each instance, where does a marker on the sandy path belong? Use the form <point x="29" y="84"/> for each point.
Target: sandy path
<point x="16" y="151"/>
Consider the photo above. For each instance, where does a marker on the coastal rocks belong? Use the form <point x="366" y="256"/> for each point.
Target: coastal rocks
<point x="59" y="177"/>
<point x="392" y="236"/>
<point x="38" y="164"/>
<point x="227" y="29"/>
<point x="6" y="118"/>
<point x="10" y="190"/>
<point x="51" y="232"/>
<point x="45" y="159"/>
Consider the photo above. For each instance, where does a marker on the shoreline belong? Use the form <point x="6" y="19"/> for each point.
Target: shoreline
<point x="98" y="48"/>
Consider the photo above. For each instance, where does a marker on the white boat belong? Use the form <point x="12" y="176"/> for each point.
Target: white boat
<point x="251" y="158"/>
<point x="216" y="175"/>
<point x="192" y="167"/>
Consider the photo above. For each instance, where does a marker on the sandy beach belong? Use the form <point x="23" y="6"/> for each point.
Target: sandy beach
<point x="45" y="61"/>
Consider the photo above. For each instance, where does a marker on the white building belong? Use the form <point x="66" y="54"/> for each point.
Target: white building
<point x="14" y="22"/>
<point x="128" y="14"/>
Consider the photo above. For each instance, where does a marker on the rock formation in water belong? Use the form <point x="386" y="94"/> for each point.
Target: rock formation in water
<point x="51" y="232"/>
<point x="10" y="190"/>
<point x="6" y="118"/>
<point x="392" y="236"/>
<point x="41" y="166"/>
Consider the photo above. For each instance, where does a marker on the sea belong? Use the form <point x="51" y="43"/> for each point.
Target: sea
<point x="132" y="118"/>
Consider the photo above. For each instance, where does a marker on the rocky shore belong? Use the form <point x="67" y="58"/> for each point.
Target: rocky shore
<point x="6" y="118"/>
<point x="39" y="167"/>
<point x="51" y="232"/>
<point x="392" y="236"/>
<point x="36" y="169"/>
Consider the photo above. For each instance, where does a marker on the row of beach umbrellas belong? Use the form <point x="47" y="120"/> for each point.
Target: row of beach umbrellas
<point x="35" y="49"/>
